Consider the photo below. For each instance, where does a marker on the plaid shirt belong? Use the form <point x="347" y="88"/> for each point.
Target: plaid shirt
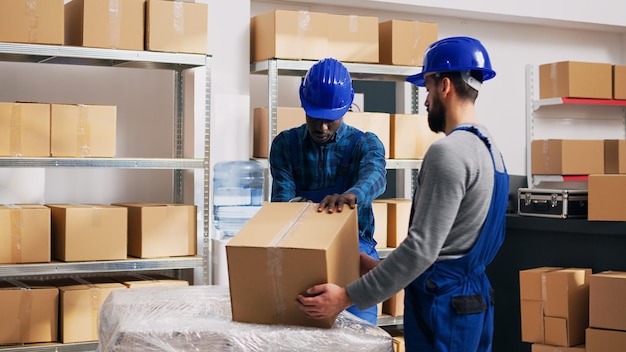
<point x="319" y="164"/>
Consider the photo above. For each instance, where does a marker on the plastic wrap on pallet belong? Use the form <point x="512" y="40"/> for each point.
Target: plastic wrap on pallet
<point x="198" y="318"/>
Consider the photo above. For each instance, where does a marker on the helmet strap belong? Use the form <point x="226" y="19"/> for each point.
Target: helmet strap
<point x="471" y="81"/>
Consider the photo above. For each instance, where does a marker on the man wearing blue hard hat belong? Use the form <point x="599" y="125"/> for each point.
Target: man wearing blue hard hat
<point x="328" y="162"/>
<point x="457" y="220"/>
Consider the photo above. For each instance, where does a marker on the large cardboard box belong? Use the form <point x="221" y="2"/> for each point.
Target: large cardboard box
<point x="403" y="42"/>
<point x="410" y="136"/>
<point x="24" y="129"/>
<point x="378" y="123"/>
<point x="286" y="118"/>
<point x="619" y="82"/>
<point x="600" y="340"/>
<point x="83" y="130"/>
<point x="353" y="38"/>
<point x="161" y="230"/>
<point x="398" y="213"/>
<point x="606" y="300"/>
<point x="86" y="232"/>
<point x="380" y="224"/>
<point x="114" y="24"/>
<point x="532" y="283"/>
<point x="606" y="195"/>
<point x="576" y="80"/>
<point x="29" y="312"/>
<point x="80" y="300"/>
<point x="567" y="157"/>
<point x="176" y="26"/>
<point x="283" y="250"/>
<point x="287" y="34"/>
<point x="532" y="321"/>
<point x="615" y="156"/>
<point x="24" y="233"/>
<point x="31" y="21"/>
<point x="536" y="347"/>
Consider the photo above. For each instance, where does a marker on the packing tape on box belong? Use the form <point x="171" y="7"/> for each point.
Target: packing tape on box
<point x="275" y="262"/>
<point x="353" y="23"/>
<point x="115" y="24"/>
<point x="33" y="20"/>
<point x="554" y="79"/>
<point x="17" y="224"/>
<point x="96" y="301"/>
<point x="83" y="133"/>
<point x="304" y="26"/>
<point x="179" y="17"/>
<point x="25" y="309"/>
<point x="544" y="290"/>
<point x="15" y="133"/>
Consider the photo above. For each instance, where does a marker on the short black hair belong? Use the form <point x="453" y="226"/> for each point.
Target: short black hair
<point x="463" y="90"/>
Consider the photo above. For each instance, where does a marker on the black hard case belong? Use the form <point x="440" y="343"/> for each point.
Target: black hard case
<point x="552" y="203"/>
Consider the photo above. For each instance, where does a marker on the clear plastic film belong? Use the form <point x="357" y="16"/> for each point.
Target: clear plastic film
<point x="198" y="318"/>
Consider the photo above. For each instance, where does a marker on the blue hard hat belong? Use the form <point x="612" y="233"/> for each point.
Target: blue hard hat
<point x="326" y="91"/>
<point x="454" y="54"/>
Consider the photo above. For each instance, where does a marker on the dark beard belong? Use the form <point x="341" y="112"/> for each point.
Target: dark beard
<point x="437" y="116"/>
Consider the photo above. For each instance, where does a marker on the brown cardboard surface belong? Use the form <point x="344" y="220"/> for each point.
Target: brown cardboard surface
<point x="403" y="42"/>
<point x="79" y="130"/>
<point x="576" y="80"/>
<point x="394" y="306"/>
<point x="138" y="280"/>
<point x="24" y="233"/>
<point x="29" y="312"/>
<point x="615" y="156"/>
<point x="380" y="224"/>
<point x="286" y="34"/>
<point x="353" y="38"/>
<point x="31" y="21"/>
<point x="376" y="122"/>
<point x="113" y="24"/>
<point x="410" y="136"/>
<point x="283" y="250"/>
<point x="161" y="230"/>
<point x="598" y="340"/>
<point x="24" y="129"/>
<point x="606" y="300"/>
<point x="286" y="118"/>
<point x="176" y="26"/>
<point x="556" y="331"/>
<point x="606" y="198"/>
<point x="398" y="213"/>
<point x="87" y="232"/>
<point x="536" y="347"/>
<point x="532" y="283"/>
<point x="619" y="82"/>
<point x="531" y="321"/>
<point x="567" y="157"/>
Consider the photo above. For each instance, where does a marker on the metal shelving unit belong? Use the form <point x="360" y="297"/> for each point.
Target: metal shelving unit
<point x="567" y="118"/>
<point x="178" y="63"/>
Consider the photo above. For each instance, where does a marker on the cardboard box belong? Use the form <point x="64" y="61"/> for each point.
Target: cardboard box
<point x="353" y="38"/>
<point x="532" y="283"/>
<point x="31" y="21"/>
<point x="394" y="305"/>
<point x="598" y="340"/>
<point x="398" y="213"/>
<point x="83" y="130"/>
<point x="615" y="156"/>
<point x="87" y="232"/>
<point x="283" y="250"/>
<point x="176" y="26"/>
<point x="567" y="157"/>
<point x="606" y="195"/>
<point x="80" y="300"/>
<point x="114" y="24"/>
<point x="138" y="280"/>
<point x="606" y="300"/>
<point x="161" y="230"/>
<point x="380" y="223"/>
<point x="29" y="312"/>
<point x="619" y="82"/>
<point x="376" y="122"/>
<point x="410" y="136"/>
<point x="286" y="118"/>
<point x="576" y="80"/>
<point x="24" y="234"/>
<point x="532" y="321"/>
<point x="536" y="347"/>
<point x="24" y="129"/>
<point x="286" y="34"/>
<point x="403" y="42"/>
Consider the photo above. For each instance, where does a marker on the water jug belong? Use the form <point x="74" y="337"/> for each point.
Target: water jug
<point x="237" y="194"/>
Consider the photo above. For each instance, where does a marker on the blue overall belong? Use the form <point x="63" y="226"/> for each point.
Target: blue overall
<point x="340" y="186"/>
<point x="450" y="306"/>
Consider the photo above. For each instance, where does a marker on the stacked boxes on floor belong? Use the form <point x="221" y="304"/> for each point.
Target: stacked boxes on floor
<point x="607" y="312"/>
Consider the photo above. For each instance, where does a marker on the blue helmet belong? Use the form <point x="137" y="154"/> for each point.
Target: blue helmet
<point x="454" y="54"/>
<point x="326" y="91"/>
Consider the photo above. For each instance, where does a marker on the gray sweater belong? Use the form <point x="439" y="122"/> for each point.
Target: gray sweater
<point x="450" y="205"/>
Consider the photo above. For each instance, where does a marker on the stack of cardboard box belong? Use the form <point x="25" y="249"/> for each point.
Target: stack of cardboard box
<point x="607" y="312"/>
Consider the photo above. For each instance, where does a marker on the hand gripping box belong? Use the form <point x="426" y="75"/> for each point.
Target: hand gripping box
<point x="282" y="251"/>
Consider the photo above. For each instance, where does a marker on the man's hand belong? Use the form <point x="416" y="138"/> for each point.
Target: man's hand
<point x="367" y="263"/>
<point x="335" y="202"/>
<point x="323" y="301"/>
